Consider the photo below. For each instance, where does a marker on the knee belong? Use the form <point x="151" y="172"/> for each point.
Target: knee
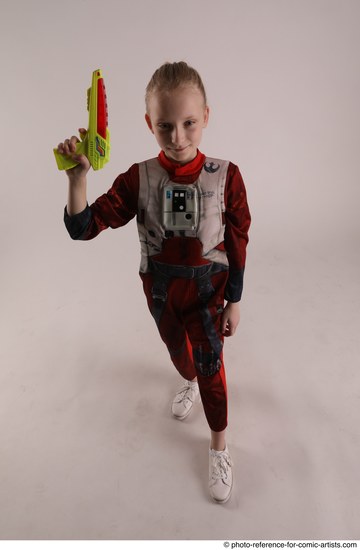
<point x="207" y="363"/>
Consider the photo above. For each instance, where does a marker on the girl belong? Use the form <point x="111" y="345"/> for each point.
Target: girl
<point x="193" y="221"/>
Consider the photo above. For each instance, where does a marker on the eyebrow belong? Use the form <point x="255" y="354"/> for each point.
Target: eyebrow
<point x="166" y="120"/>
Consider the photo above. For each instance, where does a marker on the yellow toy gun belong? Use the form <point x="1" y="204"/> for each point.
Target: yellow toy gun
<point x="95" y="143"/>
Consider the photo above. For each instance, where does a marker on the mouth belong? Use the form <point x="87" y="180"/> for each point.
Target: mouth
<point x="179" y="149"/>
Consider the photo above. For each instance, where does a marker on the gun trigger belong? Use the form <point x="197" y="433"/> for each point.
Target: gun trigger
<point x="88" y="99"/>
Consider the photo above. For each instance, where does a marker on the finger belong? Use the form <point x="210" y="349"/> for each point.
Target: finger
<point x="230" y="328"/>
<point x="72" y="144"/>
<point x="81" y="159"/>
<point x="226" y="333"/>
<point x="65" y="147"/>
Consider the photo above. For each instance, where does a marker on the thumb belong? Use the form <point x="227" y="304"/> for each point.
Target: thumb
<point x="82" y="132"/>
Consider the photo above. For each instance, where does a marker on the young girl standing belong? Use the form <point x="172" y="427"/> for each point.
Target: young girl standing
<point x="193" y="220"/>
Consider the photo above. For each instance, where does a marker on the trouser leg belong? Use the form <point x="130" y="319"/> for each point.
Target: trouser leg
<point x="181" y="357"/>
<point x="203" y="324"/>
<point x="171" y="328"/>
<point x="190" y="340"/>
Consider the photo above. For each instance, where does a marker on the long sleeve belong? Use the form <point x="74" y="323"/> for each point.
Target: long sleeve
<point x="112" y="209"/>
<point x="237" y="223"/>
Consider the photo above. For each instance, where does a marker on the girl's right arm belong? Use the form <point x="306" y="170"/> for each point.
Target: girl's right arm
<point x="77" y="199"/>
<point x="112" y="209"/>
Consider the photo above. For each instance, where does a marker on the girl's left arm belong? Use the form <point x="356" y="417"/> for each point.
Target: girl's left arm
<point x="237" y="223"/>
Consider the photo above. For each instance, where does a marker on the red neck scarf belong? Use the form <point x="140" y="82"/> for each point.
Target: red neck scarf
<point x="176" y="169"/>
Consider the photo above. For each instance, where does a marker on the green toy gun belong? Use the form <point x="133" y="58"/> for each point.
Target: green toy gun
<point x="95" y="143"/>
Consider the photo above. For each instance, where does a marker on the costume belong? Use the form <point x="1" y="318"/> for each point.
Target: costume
<point x="186" y="272"/>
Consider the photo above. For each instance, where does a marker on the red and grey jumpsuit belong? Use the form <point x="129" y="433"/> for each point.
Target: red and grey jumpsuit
<point x="186" y="275"/>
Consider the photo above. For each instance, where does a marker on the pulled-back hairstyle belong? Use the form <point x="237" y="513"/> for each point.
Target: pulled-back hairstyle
<point x="174" y="75"/>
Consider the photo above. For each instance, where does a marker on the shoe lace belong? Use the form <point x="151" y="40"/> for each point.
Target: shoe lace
<point x="220" y="466"/>
<point x="184" y="393"/>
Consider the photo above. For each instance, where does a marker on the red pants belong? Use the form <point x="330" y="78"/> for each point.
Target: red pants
<point x="190" y="326"/>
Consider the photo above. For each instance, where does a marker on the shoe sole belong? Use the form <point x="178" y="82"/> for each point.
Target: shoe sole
<point x="222" y="501"/>
<point x="182" y="417"/>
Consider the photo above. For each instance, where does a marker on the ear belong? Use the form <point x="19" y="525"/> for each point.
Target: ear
<point x="206" y="116"/>
<point x="148" y="122"/>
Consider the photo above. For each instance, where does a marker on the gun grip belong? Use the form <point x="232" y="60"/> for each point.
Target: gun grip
<point x="65" y="162"/>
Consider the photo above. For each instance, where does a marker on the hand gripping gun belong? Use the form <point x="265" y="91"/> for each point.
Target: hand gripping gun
<point x="95" y="143"/>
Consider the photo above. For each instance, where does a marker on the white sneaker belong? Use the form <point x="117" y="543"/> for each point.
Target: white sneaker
<point x="220" y="475"/>
<point x="185" y="399"/>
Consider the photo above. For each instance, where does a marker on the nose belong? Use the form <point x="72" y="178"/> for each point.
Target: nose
<point x="177" y="135"/>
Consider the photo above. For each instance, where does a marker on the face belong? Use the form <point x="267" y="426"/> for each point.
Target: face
<point x="177" y="118"/>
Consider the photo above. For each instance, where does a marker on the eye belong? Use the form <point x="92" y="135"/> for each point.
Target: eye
<point x="164" y="126"/>
<point x="189" y="122"/>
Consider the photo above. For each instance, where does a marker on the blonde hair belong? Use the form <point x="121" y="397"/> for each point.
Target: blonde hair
<point x="171" y="76"/>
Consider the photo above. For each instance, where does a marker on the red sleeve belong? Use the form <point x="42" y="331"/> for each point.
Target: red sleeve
<point x="237" y="223"/>
<point x="116" y="207"/>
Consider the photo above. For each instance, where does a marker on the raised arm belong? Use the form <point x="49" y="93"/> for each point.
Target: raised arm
<point x="77" y="198"/>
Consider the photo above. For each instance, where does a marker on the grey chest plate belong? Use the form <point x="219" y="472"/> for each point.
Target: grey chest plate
<point x="180" y="206"/>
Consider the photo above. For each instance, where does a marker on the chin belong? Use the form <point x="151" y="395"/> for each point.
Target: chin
<point x="182" y="156"/>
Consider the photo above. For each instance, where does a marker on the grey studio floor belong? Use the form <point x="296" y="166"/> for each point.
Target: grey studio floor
<point x="89" y="449"/>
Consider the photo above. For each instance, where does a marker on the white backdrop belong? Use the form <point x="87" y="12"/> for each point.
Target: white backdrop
<point x="283" y="83"/>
